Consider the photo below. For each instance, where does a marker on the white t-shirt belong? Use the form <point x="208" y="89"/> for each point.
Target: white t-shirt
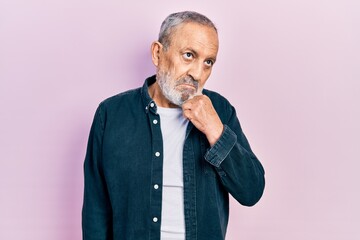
<point x="173" y="128"/>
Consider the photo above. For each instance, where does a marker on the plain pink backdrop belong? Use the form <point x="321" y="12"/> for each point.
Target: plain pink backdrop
<point x="291" y="68"/>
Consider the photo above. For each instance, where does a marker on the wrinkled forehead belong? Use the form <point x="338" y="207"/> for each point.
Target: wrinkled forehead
<point x="195" y="35"/>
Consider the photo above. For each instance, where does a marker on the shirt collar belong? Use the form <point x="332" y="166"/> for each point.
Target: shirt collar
<point x="149" y="103"/>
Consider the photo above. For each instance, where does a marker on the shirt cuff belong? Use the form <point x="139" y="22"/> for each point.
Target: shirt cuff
<point x="218" y="152"/>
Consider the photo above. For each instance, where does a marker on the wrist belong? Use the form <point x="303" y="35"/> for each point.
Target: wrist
<point x="214" y="134"/>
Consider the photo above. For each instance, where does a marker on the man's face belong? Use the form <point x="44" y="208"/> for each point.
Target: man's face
<point x="187" y="63"/>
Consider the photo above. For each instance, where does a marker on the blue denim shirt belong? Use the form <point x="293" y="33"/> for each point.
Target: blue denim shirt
<point x="124" y="162"/>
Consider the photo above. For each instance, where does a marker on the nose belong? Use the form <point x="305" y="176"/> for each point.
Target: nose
<point x="196" y="71"/>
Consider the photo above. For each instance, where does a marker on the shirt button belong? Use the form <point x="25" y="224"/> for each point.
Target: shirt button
<point x="155" y="121"/>
<point x="157" y="154"/>
<point x="152" y="104"/>
<point x="155" y="219"/>
<point x="156" y="186"/>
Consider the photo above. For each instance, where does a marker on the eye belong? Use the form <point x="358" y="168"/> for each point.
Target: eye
<point x="188" y="55"/>
<point x="209" y="63"/>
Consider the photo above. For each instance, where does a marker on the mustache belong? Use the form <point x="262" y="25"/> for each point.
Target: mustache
<point x="188" y="80"/>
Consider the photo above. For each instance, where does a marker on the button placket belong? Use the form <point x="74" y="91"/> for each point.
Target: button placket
<point x="157" y="167"/>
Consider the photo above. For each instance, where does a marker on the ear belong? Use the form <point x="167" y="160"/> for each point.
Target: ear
<point x="156" y="49"/>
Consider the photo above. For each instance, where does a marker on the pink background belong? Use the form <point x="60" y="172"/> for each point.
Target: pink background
<point x="291" y="68"/>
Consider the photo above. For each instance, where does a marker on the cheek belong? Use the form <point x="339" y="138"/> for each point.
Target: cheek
<point x="165" y="63"/>
<point x="178" y="71"/>
<point x="163" y="66"/>
<point x="205" y="78"/>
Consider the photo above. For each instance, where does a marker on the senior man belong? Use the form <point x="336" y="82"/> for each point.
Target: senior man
<point x="162" y="159"/>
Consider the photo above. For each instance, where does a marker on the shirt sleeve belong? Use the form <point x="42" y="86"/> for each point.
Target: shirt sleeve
<point x="240" y="171"/>
<point x="96" y="211"/>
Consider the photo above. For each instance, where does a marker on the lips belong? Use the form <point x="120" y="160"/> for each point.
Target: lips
<point x="187" y="85"/>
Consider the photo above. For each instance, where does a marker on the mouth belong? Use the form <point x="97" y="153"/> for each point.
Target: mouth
<point x="190" y="86"/>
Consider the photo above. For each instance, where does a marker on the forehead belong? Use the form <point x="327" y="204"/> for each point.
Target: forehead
<point x="201" y="38"/>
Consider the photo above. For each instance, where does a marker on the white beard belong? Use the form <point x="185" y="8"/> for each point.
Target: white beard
<point x="168" y="87"/>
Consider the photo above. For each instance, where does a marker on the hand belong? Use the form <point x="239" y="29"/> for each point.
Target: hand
<point x="200" y="111"/>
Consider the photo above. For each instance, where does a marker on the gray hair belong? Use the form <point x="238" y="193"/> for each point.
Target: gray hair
<point x="175" y="19"/>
